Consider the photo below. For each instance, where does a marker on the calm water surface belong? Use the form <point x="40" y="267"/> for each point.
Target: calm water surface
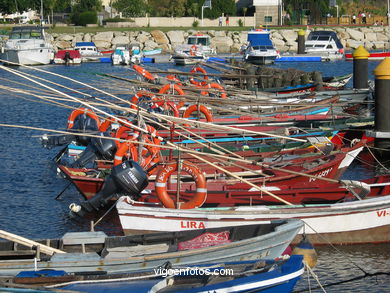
<point x="29" y="183"/>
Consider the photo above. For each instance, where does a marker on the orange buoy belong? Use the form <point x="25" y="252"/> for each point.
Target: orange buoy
<point x="161" y="189"/>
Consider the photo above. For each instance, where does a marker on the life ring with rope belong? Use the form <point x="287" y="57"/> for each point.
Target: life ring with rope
<point x="174" y="89"/>
<point x="142" y="71"/>
<point x="172" y="77"/>
<point x="135" y="99"/>
<point x="202" y="109"/>
<point x="77" y="112"/>
<point x="205" y="77"/>
<point x="120" y="135"/>
<point x="162" y="177"/>
<point x="217" y="86"/>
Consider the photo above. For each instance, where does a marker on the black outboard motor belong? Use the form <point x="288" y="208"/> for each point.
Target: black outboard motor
<point x="82" y="124"/>
<point x="128" y="177"/>
<point x="99" y="148"/>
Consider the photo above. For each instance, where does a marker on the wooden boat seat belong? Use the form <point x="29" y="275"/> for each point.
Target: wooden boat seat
<point x="18" y="254"/>
<point x="138" y="250"/>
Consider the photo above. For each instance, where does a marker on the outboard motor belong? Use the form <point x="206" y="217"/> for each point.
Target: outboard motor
<point x="98" y="148"/>
<point x="82" y="124"/>
<point x="127" y="177"/>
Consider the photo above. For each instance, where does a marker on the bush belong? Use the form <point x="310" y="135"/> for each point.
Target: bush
<point x="195" y="23"/>
<point x="84" y="18"/>
<point x="117" y="19"/>
<point x="240" y="22"/>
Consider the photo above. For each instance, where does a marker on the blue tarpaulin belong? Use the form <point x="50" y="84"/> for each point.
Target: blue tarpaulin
<point x="259" y="38"/>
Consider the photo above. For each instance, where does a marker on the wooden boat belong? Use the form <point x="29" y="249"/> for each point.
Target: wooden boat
<point x="329" y="83"/>
<point x="351" y="222"/>
<point x="90" y="181"/>
<point x="374" y="56"/>
<point x="279" y="275"/>
<point x="96" y="252"/>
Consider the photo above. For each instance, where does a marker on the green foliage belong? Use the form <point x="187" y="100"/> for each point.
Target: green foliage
<point x="84" y="18"/>
<point x="166" y="8"/>
<point x="117" y="19"/>
<point x="219" y="7"/>
<point x="240" y="22"/>
<point x="195" y="23"/>
<point x="131" y="8"/>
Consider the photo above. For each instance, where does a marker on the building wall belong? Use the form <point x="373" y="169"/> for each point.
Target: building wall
<point x="267" y="11"/>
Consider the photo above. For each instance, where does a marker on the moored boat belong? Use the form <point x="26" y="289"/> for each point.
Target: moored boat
<point x="350" y="222"/>
<point x="260" y="49"/>
<point x="27" y="45"/>
<point x="94" y="251"/>
<point x="67" y="57"/>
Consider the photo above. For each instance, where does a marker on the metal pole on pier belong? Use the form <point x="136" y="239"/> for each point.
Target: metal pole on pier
<point x="301" y="41"/>
<point x="382" y="104"/>
<point x="360" y="68"/>
<point x="382" y="108"/>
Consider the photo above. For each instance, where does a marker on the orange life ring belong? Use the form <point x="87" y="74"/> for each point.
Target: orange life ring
<point x="146" y="74"/>
<point x="203" y="109"/>
<point x="77" y="112"/>
<point x="174" y="89"/>
<point x="161" y="189"/>
<point x="125" y="149"/>
<point x="217" y="86"/>
<point x="135" y="98"/>
<point x="172" y="77"/>
<point x="121" y="130"/>
<point x="205" y="77"/>
<point x="193" y="49"/>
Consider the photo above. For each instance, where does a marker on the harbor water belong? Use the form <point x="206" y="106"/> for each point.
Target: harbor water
<point x="29" y="182"/>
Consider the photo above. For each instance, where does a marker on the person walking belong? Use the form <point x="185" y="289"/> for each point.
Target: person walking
<point x="227" y="20"/>
<point x="354" y="19"/>
<point x="364" y="18"/>
<point x="220" y="21"/>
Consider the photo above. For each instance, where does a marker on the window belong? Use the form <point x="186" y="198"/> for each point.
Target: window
<point x="267" y="19"/>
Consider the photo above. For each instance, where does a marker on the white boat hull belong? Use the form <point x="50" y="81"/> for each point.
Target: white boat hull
<point x="39" y="56"/>
<point x="366" y="221"/>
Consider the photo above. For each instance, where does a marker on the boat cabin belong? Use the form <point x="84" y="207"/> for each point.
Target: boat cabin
<point x="86" y="48"/>
<point x="199" y="39"/>
<point x="26" y="32"/>
<point x="323" y="42"/>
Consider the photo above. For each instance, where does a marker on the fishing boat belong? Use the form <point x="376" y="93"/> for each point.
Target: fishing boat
<point x="97" y="252"/>
<point x="197" y="49"/>
<point x="67" y="57"/>
<point x="374" y="56"/>
<point x="278" y="275"/>
<point x="260" y="49"/>
<point x="350" y="222"/>
<point x="27" y="45"/>
<point x="325" y="44"/>
<point x="219" y="187"/>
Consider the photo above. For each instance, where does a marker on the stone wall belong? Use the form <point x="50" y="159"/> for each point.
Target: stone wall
<point x="375" y="37"/>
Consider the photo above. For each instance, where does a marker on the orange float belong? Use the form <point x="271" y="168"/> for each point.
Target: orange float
<point x="142" y="71"/>
<point x="162" y="179"/>
<point x="205" y="77"/>
<point x="201" y="108"/>
<point x="76" y="113"/>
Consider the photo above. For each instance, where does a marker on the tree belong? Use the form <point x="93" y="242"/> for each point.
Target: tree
<point x="131" y="8"/>
<point x="220" y="7"/>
